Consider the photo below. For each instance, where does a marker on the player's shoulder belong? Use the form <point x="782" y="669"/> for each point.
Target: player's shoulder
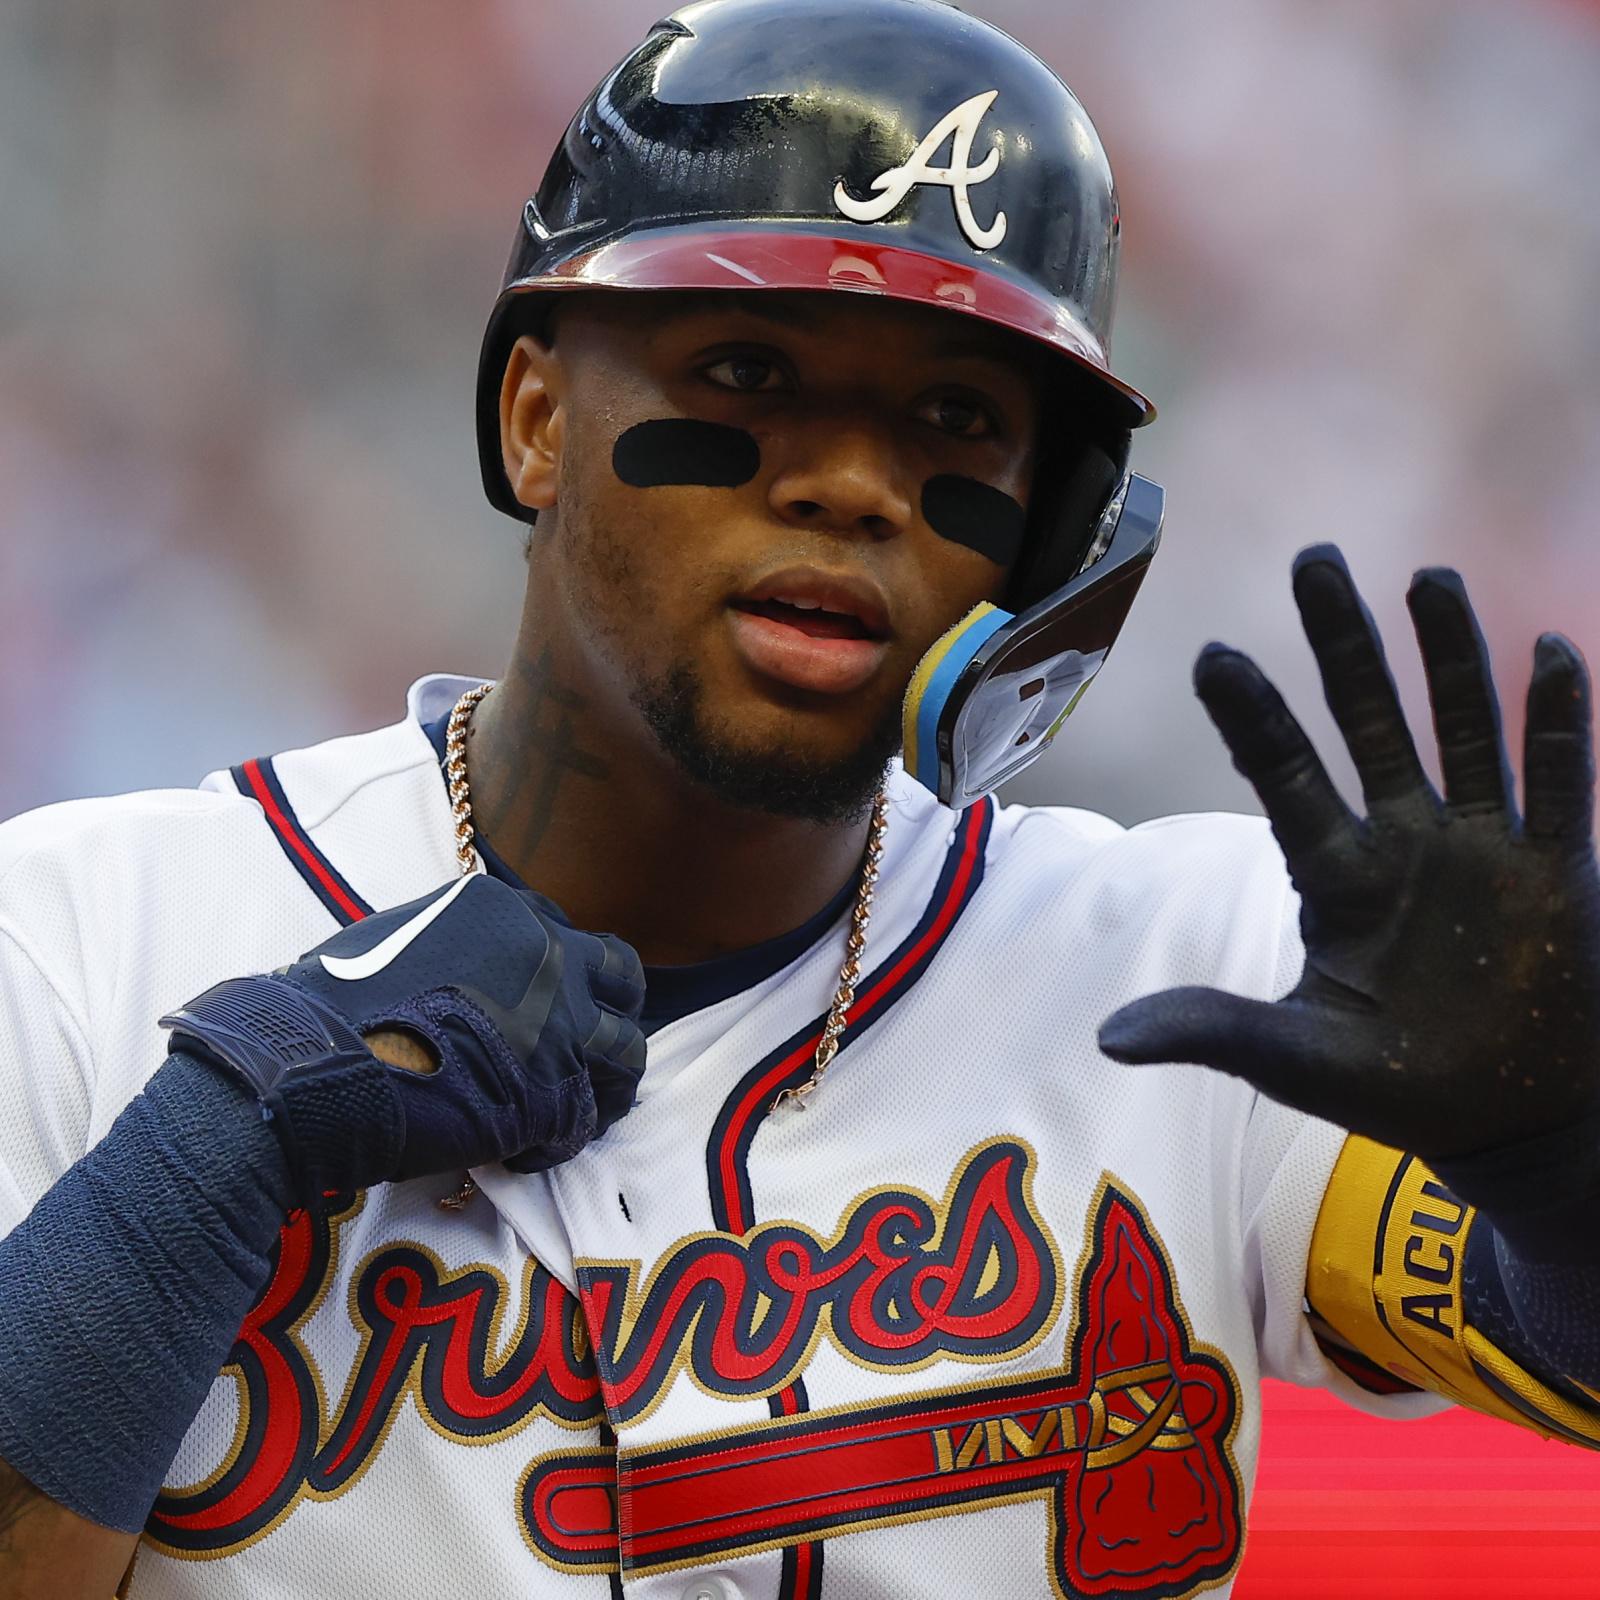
<point x="88" y="833"/>
<point x="1208" y="865"/>
<point x="375" y="772"/>
<point x="203" y="846"/>
<point x="1205" y="866"/>
<point x="1067" y="837"/>
<point x="1203" y="898"/>
<point x="94" y="893"/>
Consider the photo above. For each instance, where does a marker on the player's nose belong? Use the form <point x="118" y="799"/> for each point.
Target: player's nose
<point x="843" y="476"/>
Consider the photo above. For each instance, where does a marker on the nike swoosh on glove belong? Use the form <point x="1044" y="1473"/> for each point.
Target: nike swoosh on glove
<point x="1451" y="988"/>
<point x="532" y="1024"/>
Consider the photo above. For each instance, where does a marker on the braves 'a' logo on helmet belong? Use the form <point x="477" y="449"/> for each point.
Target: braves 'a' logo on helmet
<point x="960" y="127"/>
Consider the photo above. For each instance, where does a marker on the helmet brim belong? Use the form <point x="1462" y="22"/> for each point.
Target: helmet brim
<point x="695" y="258"/>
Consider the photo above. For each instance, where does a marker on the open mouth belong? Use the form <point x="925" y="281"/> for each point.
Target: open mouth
<point x="809" y="617"/>
<point x="812" y="629"/>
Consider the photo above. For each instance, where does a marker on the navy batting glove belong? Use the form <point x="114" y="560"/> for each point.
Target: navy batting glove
<point x="123" y="1289"/>
<point x="531" y="1027"/>
<point x="1451" y="988"/>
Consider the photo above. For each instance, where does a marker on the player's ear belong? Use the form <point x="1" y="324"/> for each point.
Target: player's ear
<point x="532" y="422"/>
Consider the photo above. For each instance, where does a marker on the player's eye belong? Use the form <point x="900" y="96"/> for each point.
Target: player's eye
<point x="748" y="373"/>
<point x="957" y="414"/>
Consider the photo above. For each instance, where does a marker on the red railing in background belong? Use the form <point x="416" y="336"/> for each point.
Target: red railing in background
<point x="1453" y="1507"/>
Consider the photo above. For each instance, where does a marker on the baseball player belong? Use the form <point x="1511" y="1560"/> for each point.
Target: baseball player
<point x="355" y="1249"/>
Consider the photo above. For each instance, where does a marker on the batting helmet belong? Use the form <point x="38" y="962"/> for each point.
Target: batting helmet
<point x="799" y="144"/>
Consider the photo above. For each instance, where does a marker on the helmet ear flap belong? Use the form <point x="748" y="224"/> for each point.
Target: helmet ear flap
<point x="1078" y="471"/>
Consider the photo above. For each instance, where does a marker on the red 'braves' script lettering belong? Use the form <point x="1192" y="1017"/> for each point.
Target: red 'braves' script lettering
<point x="902" y="1283"/>
<point x="420" y="1321"/>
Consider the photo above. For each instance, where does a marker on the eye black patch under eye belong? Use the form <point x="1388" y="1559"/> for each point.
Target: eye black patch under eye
<point x="975" y="514"/>
<point x="675" y="450"/>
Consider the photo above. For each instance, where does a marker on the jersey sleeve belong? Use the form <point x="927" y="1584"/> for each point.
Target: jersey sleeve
<point x="1384" y="1285"/>
<point x="46" y="1080"/>
<point x="105" y="923"/>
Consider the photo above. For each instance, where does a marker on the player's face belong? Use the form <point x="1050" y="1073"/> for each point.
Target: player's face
<point x="743" y="538"/>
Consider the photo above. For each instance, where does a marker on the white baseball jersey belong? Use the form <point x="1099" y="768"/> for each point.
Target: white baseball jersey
<point x="987" y="1317"/>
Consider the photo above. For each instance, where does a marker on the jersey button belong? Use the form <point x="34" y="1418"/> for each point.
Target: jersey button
<point x="711" y="1587"/>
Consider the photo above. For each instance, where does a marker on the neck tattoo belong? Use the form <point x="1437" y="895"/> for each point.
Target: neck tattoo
<point x="844" y="995"/>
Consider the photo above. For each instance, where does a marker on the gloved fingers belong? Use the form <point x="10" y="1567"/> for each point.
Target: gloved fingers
<point x="1558" y="748"/>
<point x="617" y="974"/>
<point x="615" y="1058"/>
<point x="476" y="933"/>
<point x="334" y="970"/>
<point x="615" y="1089"/>
<point x="1265" y="1044"/>
<point x="566" y="1122"/>
<point x="1271" y="750"/>
<point x="572" y="1125"/>
<point x="1355" y="678"/>
<point x="1466" y="709"/>
<point x="615" y="1036"/>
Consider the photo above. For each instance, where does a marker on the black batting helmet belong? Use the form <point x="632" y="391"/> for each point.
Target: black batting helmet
<point x="889" y="147"/>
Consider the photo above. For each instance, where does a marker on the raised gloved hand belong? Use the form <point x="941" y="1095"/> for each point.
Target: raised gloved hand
<point x="1451" y="992"/>
<point x="529" y="1028"/>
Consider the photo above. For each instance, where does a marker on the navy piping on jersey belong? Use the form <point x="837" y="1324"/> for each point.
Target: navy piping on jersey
<point x="258" y="780"/>
<point x="673" y="992"/>
<point x="743" y="1112"/>
<point x="753" y="1097"/>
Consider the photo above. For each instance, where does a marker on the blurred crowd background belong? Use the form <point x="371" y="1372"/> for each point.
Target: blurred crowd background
<point x="246" y="252"/>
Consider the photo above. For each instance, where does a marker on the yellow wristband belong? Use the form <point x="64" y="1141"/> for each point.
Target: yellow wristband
<point x="1385" y="1275"/>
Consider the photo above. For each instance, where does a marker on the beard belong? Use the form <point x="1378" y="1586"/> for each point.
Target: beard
<point x="771" y="781"/>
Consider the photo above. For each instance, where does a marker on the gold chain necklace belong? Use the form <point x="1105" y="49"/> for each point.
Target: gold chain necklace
<point x="855" y="946"/>
<point x="455" y="776"/>
<point x="844" y="996"/>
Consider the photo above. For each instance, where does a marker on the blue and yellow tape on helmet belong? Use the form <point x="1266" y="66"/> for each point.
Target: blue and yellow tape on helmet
<point x="930" y="686"/>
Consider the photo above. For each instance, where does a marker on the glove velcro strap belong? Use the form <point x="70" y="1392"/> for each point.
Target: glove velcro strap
<point x="331" y="1102"/>
<point x="263" y="1029"/>
<point x="1385" y="1274"/>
